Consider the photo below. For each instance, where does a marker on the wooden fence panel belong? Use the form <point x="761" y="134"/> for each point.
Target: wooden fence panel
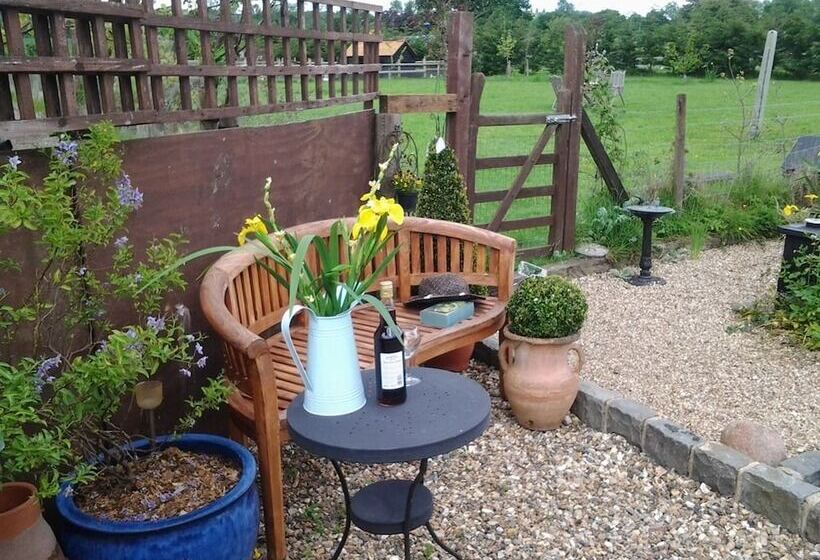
<point x="139" y="63"/>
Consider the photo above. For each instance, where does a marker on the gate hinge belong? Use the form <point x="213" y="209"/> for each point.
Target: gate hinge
<point x="560" y="119"/>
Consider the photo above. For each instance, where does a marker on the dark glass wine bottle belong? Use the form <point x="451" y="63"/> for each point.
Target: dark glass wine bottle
<point x="391" y="382"/>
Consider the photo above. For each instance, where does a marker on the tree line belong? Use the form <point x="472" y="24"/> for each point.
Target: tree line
<point x="692" y="39"/>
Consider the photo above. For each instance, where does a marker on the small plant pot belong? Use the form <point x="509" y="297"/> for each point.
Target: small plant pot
<point x="455" y="360"/>
<point x="225" y="529"/>
<point x="539" y="382"/>
<point x="23" y="531"/>
<point x="408" y="201"/>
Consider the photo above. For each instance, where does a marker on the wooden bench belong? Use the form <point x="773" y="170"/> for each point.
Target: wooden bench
<point x="244" y="305"/>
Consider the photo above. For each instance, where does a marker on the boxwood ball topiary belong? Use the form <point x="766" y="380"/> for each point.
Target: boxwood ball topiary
<point x="546" y="307"/>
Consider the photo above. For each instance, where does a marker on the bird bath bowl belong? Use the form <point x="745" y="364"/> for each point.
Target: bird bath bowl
<point x="648" y="213"/>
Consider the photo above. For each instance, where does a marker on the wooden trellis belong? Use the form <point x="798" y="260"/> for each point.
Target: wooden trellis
<point x="110" y="60"/>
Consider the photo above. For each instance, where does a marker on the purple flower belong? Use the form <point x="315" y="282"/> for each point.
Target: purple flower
<point x="136" y="346"/>
<point x="121" y="242"/>
<point x="128" y="195"/>
<point x="81" y="271"/>
<point x="44" y="372"/>
<point x="137" y="278"/>
<point x="66" y="151"/>
<point x="14" y="161"/>
<point x="185" y="372"/>
<point x="200" y="363"/>
<point x="149" y="504"/>
<point x="156" y="324"/>
<point x="198" y="350"/>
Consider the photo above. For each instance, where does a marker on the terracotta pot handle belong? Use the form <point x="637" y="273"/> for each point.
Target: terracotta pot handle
<point x="575" y="347"/>
<point x="506" y="355"/>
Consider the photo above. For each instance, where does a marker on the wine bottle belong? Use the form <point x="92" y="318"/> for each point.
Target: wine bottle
<point x="391" y="382"/>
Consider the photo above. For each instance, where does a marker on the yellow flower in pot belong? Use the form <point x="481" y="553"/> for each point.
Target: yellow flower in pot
<point x="544" y="317"/>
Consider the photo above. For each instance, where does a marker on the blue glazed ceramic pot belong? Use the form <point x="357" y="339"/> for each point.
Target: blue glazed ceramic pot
<point x="222" y="530"/>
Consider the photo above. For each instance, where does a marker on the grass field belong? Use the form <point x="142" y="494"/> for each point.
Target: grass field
<point x="714" y="123"/>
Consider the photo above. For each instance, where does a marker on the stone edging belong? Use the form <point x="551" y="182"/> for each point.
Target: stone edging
<point x="779" y="493"/>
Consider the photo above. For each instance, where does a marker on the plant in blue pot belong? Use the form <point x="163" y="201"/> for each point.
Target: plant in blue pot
<point x="67" y="364"/>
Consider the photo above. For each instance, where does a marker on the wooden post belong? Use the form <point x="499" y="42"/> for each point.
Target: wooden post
<point x="459" y="68"/>
<point x="476" y="89"/>
<point x="568" y="142"/>
<point x="763" y="83"/>
<point x="679" y="165"/>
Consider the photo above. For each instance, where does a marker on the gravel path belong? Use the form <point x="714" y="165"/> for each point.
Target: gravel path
<point x="515" y="494"/>
<point x="676" y="347"/>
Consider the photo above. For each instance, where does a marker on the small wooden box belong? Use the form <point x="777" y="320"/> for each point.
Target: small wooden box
<point x="445" y="315"/>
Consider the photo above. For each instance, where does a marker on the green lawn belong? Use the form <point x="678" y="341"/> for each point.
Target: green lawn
<point x="648" y="121"/>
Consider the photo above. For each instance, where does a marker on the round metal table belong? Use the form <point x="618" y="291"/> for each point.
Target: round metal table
<point x="443" y="412"/>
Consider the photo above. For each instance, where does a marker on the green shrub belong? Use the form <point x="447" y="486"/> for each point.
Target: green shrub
<point x="443" y="195"/>
<point x="546" y="307"/>
<point x="798" y="308"/>
<point x="603" y="221"/>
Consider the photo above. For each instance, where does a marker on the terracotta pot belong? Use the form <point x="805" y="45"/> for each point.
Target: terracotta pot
<point x="539" y="382"/>
<point x="24" y="534"/>
<point x="455" y="360"/>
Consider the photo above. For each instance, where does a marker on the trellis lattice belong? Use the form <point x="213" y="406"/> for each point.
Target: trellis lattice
<point x="65" y="64"/>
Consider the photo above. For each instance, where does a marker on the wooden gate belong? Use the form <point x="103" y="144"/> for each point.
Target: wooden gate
<point x="565" y="127"/>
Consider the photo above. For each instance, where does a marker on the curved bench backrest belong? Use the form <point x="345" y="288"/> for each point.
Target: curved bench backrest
<point x="238" y="294"/>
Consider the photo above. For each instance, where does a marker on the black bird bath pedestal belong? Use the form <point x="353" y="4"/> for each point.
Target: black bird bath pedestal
<point x="648" y="214"/>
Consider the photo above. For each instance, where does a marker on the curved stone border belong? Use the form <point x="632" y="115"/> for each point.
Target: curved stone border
<point x="786" y="495"/>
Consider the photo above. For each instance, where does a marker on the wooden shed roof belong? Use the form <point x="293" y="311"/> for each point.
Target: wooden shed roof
<point x="386" y="48"/>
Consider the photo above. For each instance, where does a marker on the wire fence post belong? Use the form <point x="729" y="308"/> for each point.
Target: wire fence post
<point x="679" y="164"/>
<point x="763" y="83"/>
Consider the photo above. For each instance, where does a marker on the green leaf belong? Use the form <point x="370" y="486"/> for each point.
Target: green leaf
<point x="298" y="267"/>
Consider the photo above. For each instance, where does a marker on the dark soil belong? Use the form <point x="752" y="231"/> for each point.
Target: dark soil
<point x="160" y="485"/>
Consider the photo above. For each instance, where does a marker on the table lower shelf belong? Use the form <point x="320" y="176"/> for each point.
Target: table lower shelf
<point x="380" y="508"/>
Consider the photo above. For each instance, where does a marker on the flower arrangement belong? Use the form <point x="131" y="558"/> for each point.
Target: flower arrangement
<point x="793" y="213"/>
<point x="406" y="181"/>
<point x="341" y="279"/>
<point x="65" y="365"/>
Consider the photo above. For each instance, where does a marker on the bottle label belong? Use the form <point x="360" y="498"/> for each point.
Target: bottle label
<point x="392" y="370"/>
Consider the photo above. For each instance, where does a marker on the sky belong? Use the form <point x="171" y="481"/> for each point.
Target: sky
<point x="624" y="6"/>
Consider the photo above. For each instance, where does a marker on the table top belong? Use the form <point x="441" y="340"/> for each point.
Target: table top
<point x="443" y="412"/>
<point x="800" y="230"/>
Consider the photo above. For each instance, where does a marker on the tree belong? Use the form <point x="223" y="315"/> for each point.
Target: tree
<point x="506" y="46"/>
<point x="686" y="61"/>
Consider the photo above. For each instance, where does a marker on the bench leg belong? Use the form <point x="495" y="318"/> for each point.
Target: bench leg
<point x="273" y="502"/>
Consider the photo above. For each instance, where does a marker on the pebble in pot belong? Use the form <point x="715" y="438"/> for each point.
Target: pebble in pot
<point x="540" y="380"/>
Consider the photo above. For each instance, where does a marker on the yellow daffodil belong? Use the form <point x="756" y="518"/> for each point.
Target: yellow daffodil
<point x="252" y="225"/>
<point x="811" y="197"/>
<point x="790" y="209"/>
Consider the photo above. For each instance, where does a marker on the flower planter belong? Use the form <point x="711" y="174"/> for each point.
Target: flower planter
<point x="24" y="534"/>
<point x="408" y="201"/>
<point x="455" y="360"/>
<point x="225" y="529"/>
<point x="539" y="382"/>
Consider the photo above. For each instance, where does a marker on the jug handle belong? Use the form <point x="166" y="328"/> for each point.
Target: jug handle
<point x="506" y="355"/>
<point x="575" y="347"/>
<point x="289" y="314"/>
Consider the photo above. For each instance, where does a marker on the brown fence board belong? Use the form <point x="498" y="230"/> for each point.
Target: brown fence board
<point x="125" y="68"/>
<point x="497" y="195"/>
<point x="499" y="162"/>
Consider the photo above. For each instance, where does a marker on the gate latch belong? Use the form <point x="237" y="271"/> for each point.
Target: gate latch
<point x="560" y="119"/>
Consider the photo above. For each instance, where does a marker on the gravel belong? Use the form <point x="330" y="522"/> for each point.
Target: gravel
<point x="681" y="349"/>
<point x="516" y="494"/>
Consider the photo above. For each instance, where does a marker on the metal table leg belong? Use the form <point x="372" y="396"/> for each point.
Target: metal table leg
<point x="419" y="481"/>
<point x="346" y="493"/>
